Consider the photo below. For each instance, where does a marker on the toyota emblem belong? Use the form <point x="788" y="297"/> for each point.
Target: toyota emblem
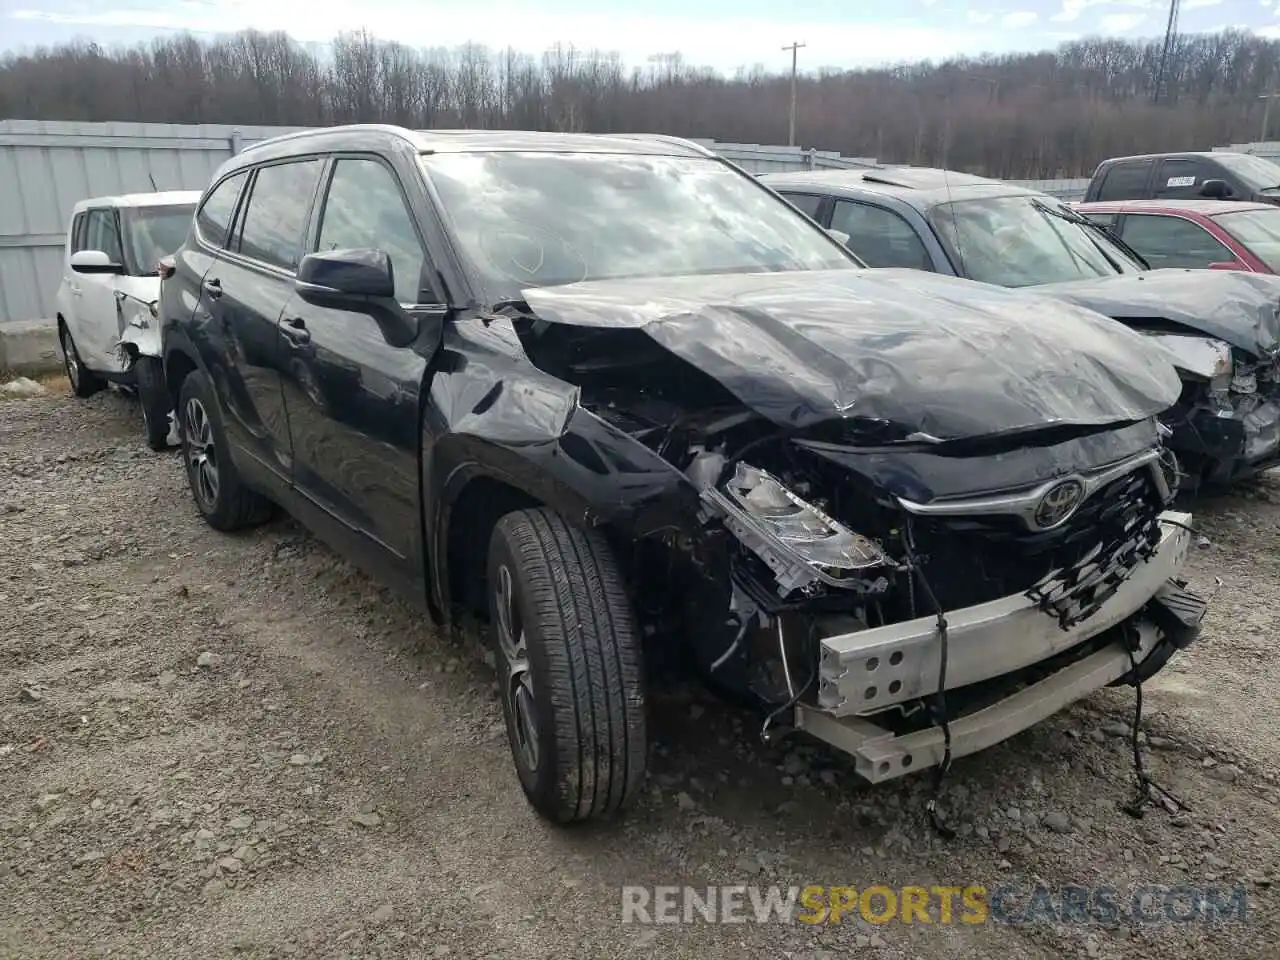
<point x="1058" y="503"/>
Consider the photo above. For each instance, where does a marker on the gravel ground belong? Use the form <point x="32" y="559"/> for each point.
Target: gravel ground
<point x="221" y="745"/>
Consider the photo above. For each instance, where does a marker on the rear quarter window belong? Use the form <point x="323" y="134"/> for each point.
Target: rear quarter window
<point x="214" y="216"/>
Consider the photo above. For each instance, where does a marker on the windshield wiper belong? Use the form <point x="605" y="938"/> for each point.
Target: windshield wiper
<point x="1069" y="215"/>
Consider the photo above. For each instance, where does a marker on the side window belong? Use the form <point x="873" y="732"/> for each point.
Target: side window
<point x="806" y="202"/>
<point x="102" y="232"/>
<point x="365" y="208"/>
<point x="77" y="233"/>
<point x="214" y="216"/>
<point x="1173" y="241"/>
<point x="1182" y="179"/>
<point x="1105" y="220"/>
<point x="880" y="237"/>
<point x="273" y="224"/>
<point x="1125" y="181"/>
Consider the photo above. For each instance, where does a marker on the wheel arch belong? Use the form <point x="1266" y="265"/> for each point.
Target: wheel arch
<point x="467" y="520"/>
<point x="180" y="359"/>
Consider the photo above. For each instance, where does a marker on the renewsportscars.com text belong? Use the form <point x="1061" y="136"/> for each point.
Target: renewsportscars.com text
<point x="970" y="904"/>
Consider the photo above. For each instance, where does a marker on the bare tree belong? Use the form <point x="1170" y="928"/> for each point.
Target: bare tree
<point x="1027" y="115"/>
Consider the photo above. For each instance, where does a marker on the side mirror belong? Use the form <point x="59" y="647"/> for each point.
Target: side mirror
<point x="345" y="276"/>
<point x="1228" y="265"/>
<point x="94" y="261"/>
<point x="1215" y="189"/>
<point x="359" y="280"/>
<point x="839" y="235"/>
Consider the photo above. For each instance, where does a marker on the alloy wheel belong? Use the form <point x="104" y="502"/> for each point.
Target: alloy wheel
<point x="517" y="680"/>
<point x="202" y="457"/>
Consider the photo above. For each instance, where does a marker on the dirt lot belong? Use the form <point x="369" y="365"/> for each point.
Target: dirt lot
<point x="238" y="746"/>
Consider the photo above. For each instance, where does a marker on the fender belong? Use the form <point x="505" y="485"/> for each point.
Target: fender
<point x="592" y="474"/>
<point x="139" y="328"/>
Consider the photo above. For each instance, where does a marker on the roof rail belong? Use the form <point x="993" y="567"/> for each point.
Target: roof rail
<point x="667" y="138"/>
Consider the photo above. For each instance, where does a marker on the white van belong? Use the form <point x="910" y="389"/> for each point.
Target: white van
<point x="107" y="324"/>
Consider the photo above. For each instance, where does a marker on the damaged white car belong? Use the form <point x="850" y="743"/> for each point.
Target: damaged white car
<point x="107" y="302"/>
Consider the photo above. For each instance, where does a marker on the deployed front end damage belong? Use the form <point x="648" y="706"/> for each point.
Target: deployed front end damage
<point x="1223" y="331"/>
<point x="908" y="535"/>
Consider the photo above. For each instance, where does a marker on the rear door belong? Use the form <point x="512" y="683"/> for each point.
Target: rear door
<point x="246" y="289"/>
<point x="1126" y="180"/>
<point x="352" y="398"/>
<point x="1169" y="241"/>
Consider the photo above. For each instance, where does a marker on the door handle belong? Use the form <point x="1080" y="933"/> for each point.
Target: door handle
<point x="295" y="328"/>
<point x="213" y="288"/>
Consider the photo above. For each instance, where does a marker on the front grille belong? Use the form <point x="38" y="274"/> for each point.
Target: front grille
<point x="971" y="560"/>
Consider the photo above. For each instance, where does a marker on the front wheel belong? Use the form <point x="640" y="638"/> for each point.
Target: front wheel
<point x="569" y="666"/>
<point x="154" y="399"/>
<point x="221" y="496"/>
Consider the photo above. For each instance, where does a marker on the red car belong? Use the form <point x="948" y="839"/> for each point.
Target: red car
<point x="1213" y="234"/>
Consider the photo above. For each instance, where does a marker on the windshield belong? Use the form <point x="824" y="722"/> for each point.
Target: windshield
<point x="1258" y="173"/>
<point x="1258" y="231"/>
<point x="542" y="219"/>
<point x="155" y="232"/>
<point x="1025" y="241"/>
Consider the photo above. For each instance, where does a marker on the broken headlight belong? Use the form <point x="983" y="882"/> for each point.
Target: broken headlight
<point x="799" y="543"/>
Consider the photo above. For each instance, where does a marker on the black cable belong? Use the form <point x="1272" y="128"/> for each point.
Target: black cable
<point x="940" y="697"/>
<point x="1148" y="792"/>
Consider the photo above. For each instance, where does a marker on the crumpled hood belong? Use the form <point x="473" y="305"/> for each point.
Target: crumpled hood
<point x="1241" y="308"/>
<point x="942" y="356"/>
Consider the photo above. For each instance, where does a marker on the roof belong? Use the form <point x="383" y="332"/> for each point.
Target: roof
<point x="1197" y="207"/>
<point x="1210" y="154"/>
<point x="462" y="141"/>
<point x="159" y="198"/>
<point x="921" y="186"/>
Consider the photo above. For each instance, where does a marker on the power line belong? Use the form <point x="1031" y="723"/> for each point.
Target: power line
<point x="794" y="48"/>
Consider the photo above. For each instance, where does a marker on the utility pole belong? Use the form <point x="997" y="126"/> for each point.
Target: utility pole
<point x="1170" y="38"/>
<point x="794" y="47"/>
<point x="1266" y="113"/>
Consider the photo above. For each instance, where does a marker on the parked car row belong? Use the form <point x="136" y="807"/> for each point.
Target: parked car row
<point x="1222" y="327"/>
<point x="612" y="394"/>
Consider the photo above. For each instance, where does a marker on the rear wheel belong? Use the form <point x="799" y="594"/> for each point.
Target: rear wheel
<point x="154" y="399"/>
<point x="84" y="382"/>
<point x="569" y="666"/>
<point x="221" y="496"/>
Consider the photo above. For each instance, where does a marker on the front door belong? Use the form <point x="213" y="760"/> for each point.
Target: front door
<point x="95" y="323"/>
<point x="352" y="398"/>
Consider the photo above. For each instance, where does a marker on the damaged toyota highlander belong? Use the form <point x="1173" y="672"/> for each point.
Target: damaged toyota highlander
<point x="611" y="395"/>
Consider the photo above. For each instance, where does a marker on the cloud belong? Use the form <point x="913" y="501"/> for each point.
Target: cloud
<point x="1019" y="18"/>
<point x="1071" y="9"/>
<point x="978" y="16"/>
<point x="1194" y="4"/>
<point x="502" y="23"/>
<point x="1121" y="22"/>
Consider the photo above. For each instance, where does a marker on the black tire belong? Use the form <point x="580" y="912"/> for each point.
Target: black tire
<point x="227" y="504"/>
<point x="84" y="382"/>
<point x="154" y="399"/>
<point x="584" y="667"/>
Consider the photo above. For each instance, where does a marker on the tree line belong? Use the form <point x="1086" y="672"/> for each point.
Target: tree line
<point x="1047" y="114"/>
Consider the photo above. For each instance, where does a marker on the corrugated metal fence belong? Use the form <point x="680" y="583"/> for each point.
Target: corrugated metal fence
<point x="47" y="167"/>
